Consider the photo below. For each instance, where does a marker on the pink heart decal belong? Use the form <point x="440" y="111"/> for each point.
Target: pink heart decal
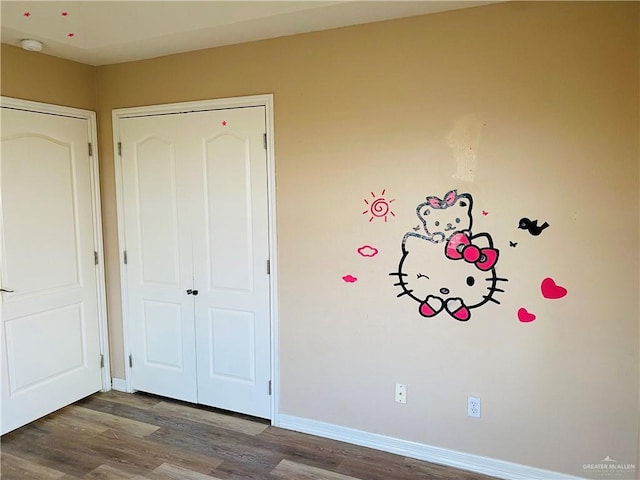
<point x="524" y="316"/>
<point x="551" y="290"/>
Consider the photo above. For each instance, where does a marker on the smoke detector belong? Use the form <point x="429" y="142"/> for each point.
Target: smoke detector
<point x="32" y="45"/>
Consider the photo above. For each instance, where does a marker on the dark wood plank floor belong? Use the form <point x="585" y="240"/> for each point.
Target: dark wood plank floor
<point x="116" y="435"/>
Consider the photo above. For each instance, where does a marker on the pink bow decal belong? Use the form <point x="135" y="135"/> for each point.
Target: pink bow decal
<point x="460" y="246"/>
<point x="449" y="200"/>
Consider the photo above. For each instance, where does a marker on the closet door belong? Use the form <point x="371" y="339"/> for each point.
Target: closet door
<point x="230" y="250"/>
<point x="156" y="186"/>
<point x="197" y="221"/>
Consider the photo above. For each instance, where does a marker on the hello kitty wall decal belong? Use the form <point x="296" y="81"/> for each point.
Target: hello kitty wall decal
<point x="446" y="267"/>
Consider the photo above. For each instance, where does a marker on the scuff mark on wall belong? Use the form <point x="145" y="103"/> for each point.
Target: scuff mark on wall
<point x="464" y="139"/>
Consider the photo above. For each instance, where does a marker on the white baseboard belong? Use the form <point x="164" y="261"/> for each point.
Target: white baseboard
<point x="119" y="384"/>
<point x="442" y="456"/>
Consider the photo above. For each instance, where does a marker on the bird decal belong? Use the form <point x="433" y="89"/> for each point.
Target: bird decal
<point x="532" y="226"/>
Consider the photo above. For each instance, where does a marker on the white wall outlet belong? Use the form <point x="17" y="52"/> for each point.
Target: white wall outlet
<point x="401" y="393"/>
<point x="473" y="407"/>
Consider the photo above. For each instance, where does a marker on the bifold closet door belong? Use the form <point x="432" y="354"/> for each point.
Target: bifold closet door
<point x="197" y="220"/>
<point x="49" y="303"/>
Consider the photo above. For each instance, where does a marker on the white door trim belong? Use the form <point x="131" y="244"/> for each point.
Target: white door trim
<point x="90" y="116"/>
<point x="184" y="107"/>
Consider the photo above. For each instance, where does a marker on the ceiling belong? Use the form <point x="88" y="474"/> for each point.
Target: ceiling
<point x="106" y="32"/>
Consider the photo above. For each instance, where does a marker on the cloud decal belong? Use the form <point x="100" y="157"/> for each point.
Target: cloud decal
<point x="368" y="251"/>
<point x="349" y="279"/>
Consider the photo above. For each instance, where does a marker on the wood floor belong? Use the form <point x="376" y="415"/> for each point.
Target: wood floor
<point x="121" y="436"/>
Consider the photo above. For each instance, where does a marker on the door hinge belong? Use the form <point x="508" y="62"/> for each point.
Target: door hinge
<point x="90" y="149"/>
<point x="269" y="387"/>
<point x="95" y="257"/>
<point x="264" y="137"/>
<point x="130" y="361"/>
<point x="101" y="361"/>
<point x="119" y="149"/>
<point x="268" y="267"/>
<point x="124" y="257"/>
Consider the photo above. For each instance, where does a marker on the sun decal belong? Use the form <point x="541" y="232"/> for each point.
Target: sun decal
<point x="379" y="207"/>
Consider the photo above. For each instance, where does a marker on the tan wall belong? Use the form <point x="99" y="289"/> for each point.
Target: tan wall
<point x="42" y="78"/>
<point x="546" y="97"/>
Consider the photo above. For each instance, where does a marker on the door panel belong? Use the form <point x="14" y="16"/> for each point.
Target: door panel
<point x="232" y="357"/>
<point x="163" y="335"/>
<point x="50" y="333"/>
<point x="37" y="266"/>
<point x="231" y="237"/>
<point x="36" y="331"/>
<point x="158" y="212"/>
<point x="159" y="261"/>
<point x="229" y="213"/>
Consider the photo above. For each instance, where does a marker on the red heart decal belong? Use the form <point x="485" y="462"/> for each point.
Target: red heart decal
<point x="551" y="290"/>
<point x="524" y="316"/>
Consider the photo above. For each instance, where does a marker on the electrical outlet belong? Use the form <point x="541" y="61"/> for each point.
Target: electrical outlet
<point x="401" y="393"/>
<point x="473" y="407"/>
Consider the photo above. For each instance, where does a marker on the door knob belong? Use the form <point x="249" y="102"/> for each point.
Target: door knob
<point x="195" y="292"/>
<point x="189" y="292"/>
<point x="5" y="290"/>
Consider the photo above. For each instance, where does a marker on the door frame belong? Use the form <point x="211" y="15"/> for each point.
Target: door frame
<point x="266" y="101"/>
<point x="96" y="208"/>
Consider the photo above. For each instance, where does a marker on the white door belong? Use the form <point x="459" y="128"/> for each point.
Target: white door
<point x="231" y="248"/>
<point x="196" y="185"/>
<point x="159" y="259"/>
<point x="50" y="329"/>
